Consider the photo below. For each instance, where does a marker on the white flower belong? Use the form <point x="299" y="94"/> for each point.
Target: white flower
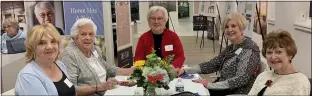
<point x="159" y="58"/>
<point x="148" y="71"/>
<point x="164" y="73"/>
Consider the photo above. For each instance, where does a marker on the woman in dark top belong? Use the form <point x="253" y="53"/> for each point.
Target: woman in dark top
<point x="44" y="74"/>
<point x="238" y="63"/>
<point x="63" y="87"/>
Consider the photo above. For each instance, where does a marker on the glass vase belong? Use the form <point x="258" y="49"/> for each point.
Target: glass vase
<point x="150" y="91"/>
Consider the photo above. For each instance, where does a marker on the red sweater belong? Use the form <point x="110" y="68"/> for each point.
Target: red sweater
<point x="146" y="43"/>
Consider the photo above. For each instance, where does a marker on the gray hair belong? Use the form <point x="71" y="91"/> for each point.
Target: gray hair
<point x="44" y="4"/>
<point x="153" y="9"/>
<point x="12" y="22"/>
<point x="79" y="23"/>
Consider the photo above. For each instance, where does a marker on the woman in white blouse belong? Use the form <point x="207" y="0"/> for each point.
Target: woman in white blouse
<point x="279" y="49"/>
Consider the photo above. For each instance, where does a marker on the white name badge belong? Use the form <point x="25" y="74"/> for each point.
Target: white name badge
<point x="168" y="47"/>
<point x="96" y="55"/>
<point x="238" y="51"/>
<point x="68" y="83"/>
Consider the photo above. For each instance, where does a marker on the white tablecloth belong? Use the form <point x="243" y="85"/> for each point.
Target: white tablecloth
<point x="188" y="86"/>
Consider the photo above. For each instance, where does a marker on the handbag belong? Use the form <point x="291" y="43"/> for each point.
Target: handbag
<point x="16" y="46"/>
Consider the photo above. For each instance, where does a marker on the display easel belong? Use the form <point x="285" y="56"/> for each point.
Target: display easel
<point x="258" y="15"/>
<point x="200" y="23"/>
<point x="211" y="30"/>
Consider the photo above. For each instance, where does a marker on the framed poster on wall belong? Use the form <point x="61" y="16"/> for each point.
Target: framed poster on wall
<point x="92" y="10"/>
<point x="202" y="6"/>
<point x="53" y="12"/>
<point x="169" y="5"/>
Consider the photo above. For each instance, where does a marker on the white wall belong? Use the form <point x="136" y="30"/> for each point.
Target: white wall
<point x="109" y="43"/>
<point x="191" y="10"/>
<point x="143" y="25"/>
<point x="286" y="14"/>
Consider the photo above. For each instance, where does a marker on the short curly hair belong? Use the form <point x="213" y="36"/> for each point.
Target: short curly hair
<point x="279" y="39"/>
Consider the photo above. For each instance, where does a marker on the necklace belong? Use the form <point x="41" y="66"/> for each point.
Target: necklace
<point x="270" y="82"/>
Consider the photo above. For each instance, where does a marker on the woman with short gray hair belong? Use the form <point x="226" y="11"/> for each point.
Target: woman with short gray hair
<point x="45" y="13"/>
<point x="164" y="41"/>
<point x="86" y="67"/>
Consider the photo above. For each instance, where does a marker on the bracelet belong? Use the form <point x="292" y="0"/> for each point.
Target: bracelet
<point x="96" y="90"/>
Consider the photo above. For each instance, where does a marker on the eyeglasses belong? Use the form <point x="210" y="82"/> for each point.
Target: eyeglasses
<point x="158" y="19"/>
<point x="8" y="26"/>
<point x="49" y="14"/>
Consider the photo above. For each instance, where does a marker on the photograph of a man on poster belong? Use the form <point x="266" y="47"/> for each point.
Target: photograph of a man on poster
<point x="40" y="12"/>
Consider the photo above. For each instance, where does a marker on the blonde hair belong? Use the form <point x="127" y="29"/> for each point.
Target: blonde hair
<point x="279" y="39"/>
<point x="12" y="22"/>
<point x="35" y="34"/>
<point x="239" y="18"/>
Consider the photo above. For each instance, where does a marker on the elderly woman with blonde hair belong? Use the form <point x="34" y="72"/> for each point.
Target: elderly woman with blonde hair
<point x="237" y="64"/>
<point x="87" y="69"/>
<point x="279" y="49"/>
<point x="44" y="74"/>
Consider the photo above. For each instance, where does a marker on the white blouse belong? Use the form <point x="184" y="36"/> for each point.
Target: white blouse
<point x="99" y="70"/>
<point x="291" y="84"/>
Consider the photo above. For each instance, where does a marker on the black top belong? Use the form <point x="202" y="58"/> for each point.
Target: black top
<point x="60" y="30"/>
<point x="62" y="87"/>
<point x="157" y="44"/>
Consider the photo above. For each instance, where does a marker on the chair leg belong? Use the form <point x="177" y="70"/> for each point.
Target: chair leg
<point x="203" y="37"/>
<point x="197" y="36"/>
<point x="202" y="40"/>
<point x="200" y="45"/>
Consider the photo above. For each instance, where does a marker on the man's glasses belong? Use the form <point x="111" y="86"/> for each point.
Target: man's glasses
<point x="49" y="14"/>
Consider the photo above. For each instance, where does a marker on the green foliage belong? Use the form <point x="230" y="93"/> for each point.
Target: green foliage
<point x="152" y="60"/>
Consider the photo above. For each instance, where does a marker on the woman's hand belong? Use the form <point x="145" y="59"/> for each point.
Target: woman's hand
<point x="104" y="86"/>
<point x="180" y="72"/>
<point x="112" y="80"/>
<point x="202" y="81"/>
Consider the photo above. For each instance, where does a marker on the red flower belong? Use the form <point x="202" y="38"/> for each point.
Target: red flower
<point x="159" y="77"/>
<point x="151" y="79"/>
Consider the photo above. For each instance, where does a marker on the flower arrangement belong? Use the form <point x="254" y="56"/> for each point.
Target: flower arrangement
<point x="153" y="72"/>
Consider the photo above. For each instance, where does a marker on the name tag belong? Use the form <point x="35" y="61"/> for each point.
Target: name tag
<point x="96" y="55"/>
<point x="168" y="47"/>
<point x="238" y="51"/>
<point x="68" y="83"/>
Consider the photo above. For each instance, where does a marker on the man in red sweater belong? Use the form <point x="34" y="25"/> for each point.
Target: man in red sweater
<point x="164" y="41"/>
